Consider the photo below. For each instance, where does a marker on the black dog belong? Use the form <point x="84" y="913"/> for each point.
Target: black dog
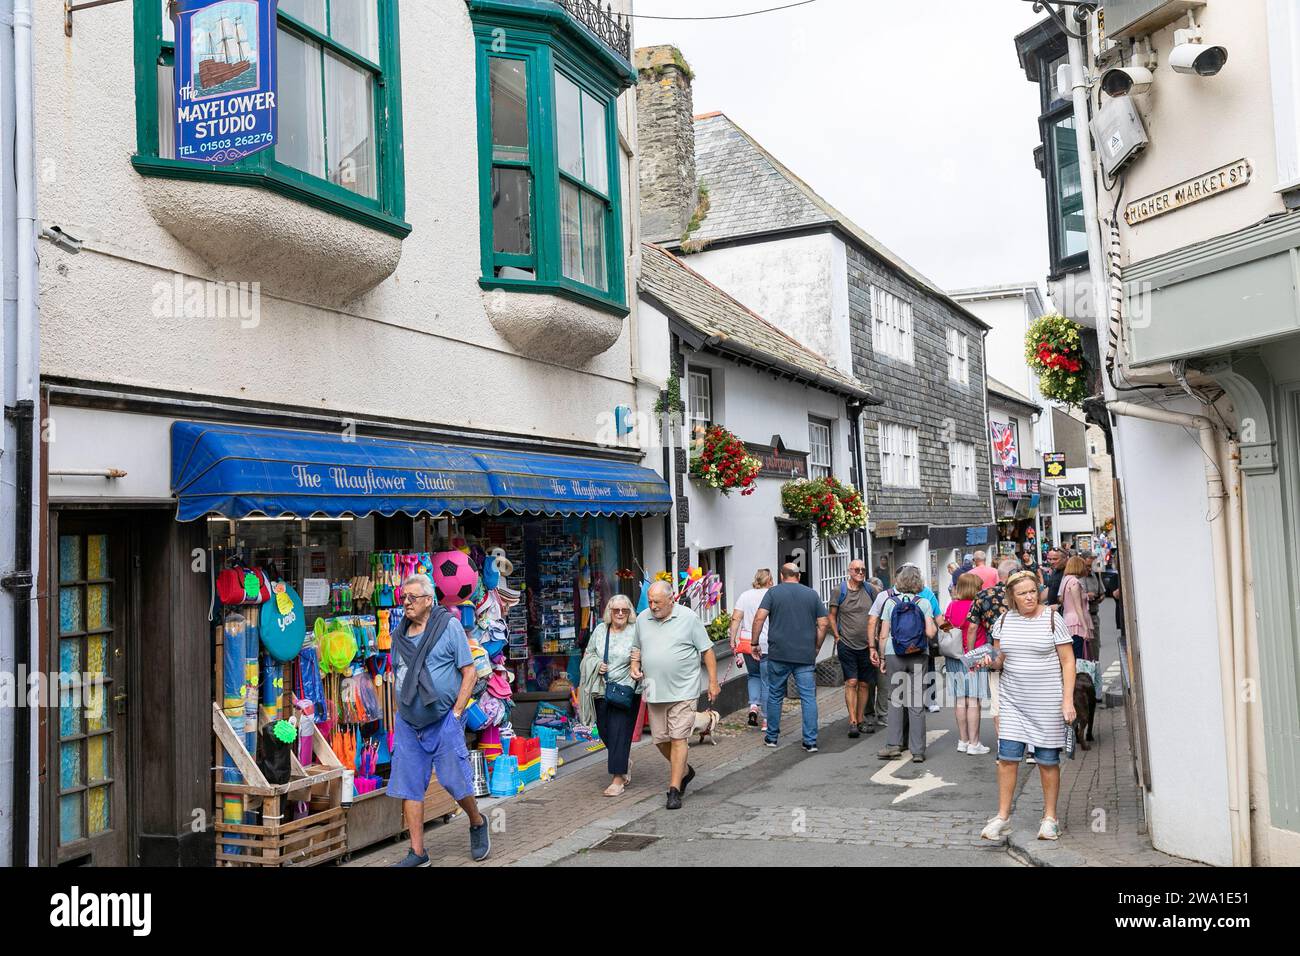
<point x="1085" y="707"/>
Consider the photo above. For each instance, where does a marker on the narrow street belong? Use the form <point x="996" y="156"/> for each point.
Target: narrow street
<point x="751" y="806"/>
<point x="421" y="417"/>
<point x="839" y="807"/>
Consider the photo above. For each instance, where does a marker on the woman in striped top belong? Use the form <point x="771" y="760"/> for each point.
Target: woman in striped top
<point x="1032" y="649"/>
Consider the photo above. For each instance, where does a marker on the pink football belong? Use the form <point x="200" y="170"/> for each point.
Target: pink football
<point x="454" y="577"/>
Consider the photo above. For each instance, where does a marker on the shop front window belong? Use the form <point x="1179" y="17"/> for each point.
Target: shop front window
<point x="528" y="620"/>
<point x="338" y="116"/>
<point x="549" y="166"/>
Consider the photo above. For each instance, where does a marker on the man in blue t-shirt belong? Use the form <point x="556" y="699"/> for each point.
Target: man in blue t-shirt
<point x="797" y="619"/>
<point x="429" y="730"/>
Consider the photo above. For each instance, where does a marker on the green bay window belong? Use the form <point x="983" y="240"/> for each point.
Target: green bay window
<point x="339" y="142"/>
<point x="551" y="217"/>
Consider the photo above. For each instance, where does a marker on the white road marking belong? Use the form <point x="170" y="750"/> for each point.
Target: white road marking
<point x="922" y="784"/>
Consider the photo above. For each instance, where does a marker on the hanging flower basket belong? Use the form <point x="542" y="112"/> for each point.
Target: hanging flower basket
<point x="1054" y="349"/>
<point x="828" y="506"/>
<point x="723" y="463"/>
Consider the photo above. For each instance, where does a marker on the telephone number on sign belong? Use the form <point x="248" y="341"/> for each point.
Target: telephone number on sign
<point x="217" y="145"/>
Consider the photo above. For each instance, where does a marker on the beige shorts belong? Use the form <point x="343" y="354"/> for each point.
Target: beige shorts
<point x="671" y="721"/>
<point x="993" y="693"/>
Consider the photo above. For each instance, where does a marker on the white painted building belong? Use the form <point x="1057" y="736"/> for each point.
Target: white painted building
<point x="1199" y="348"/>
<point x="753" y="227"/>
<point x="1024" y="504"/>
<point x="440" y="250"/>
<point x="1010" y="310"/>
<point x="791" y="408"/>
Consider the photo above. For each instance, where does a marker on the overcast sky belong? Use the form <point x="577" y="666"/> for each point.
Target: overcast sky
<point x="910" y="116"/>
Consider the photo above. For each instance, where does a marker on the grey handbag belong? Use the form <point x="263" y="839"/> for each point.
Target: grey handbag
<point x="950" y="642"/>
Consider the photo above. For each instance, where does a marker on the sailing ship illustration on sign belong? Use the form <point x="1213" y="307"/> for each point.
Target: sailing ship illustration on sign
<point x="225" y="45"/>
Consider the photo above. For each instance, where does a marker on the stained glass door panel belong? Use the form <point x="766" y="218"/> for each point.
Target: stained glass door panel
<point x="89" y="703"/>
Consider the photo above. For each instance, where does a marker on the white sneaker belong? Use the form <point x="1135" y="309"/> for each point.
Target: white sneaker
<point x="961" y="747"/>
<point x="934" y="708"/>
<point x="976" y="749"/>
<point x="1049" y="829"/>
<point x="995" y="829"/>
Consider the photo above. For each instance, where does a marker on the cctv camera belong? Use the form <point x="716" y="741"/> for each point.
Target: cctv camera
<point x="60" y="239"/>
<point x="1126" y="81"/>
<point x="1197" y="58"/>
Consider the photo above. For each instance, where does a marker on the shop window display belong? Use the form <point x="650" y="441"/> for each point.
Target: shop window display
<point x="528" y="589"/>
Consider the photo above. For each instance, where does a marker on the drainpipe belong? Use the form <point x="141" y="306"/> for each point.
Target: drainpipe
<point x="21" y="578"/>
<point x="1230" y="467"/>
<point x="1226" y="537"/>
<point x="853" y="414"/>
<point x="1087" y="177"/>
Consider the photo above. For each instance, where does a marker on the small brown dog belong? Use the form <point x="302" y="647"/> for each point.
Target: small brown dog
<point x="706" y="722"/>
<point x="1085" y="708"/>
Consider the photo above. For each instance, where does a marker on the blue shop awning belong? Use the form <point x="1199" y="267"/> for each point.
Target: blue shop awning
<point x="235" y="471"/>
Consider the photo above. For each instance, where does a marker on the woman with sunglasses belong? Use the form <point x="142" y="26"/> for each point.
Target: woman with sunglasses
<point x="616" y="635"/>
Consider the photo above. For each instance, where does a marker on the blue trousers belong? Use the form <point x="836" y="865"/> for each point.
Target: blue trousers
<point x="756" y="672"/>
<point x="805" y="679"/>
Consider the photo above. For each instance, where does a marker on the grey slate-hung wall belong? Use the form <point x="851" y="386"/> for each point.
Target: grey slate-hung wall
<point x="919" y="396"/>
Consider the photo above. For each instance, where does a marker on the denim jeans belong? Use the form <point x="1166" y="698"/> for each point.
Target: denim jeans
<point x="805" y="679"/>
<point x="757" y="671"/>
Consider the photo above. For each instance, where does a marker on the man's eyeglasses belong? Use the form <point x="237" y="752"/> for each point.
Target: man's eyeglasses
<point x="408" y="598"/>
<point x="857" y="570"/>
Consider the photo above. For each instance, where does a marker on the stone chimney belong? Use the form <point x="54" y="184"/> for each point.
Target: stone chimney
<point x="666" y="141"/>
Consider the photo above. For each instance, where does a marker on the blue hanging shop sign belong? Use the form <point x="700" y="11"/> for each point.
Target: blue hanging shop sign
<point x="225" y="79"/>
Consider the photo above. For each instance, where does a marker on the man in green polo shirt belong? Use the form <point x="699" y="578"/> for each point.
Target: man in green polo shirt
<point x="669" y="644"/>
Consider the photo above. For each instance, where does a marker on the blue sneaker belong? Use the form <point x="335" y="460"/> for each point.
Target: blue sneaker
<point x="480" y="844"/>
<point x="413" y="860"/>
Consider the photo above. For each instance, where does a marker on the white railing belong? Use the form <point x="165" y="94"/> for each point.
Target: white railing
<point x="707" y="614"/>
<point x="832" y="565"/>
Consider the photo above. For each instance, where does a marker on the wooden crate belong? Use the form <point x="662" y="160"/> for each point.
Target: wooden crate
<point x="307" y="841"/>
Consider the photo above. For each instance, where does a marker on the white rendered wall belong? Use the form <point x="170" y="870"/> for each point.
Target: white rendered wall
<point x="1004" y="346"/>
<point x="1169" y="546"/>
<point x="99" y="322"/>
<point x="755" y="407"/>
<point x="1197" y="124"/>
<point x="799" y="284"/>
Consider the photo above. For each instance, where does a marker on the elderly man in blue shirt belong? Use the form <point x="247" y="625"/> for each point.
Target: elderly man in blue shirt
<point x="435" y="675"/>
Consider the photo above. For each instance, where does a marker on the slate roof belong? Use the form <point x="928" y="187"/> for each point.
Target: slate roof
<point x="723" y="325"/>
<point x="752" y="193"/>
<point x="1008" y="393"/>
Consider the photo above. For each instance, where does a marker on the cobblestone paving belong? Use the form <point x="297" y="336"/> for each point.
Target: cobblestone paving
<point x="1100" y="804"/>
<point x="548" y="813"/>
<point x="858" y="827"/>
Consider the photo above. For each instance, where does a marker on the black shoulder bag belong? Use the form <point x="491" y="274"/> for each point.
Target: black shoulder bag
<point x="616" y="695"/>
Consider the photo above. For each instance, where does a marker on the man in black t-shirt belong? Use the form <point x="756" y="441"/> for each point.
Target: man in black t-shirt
<point x="1056" y="558"/>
